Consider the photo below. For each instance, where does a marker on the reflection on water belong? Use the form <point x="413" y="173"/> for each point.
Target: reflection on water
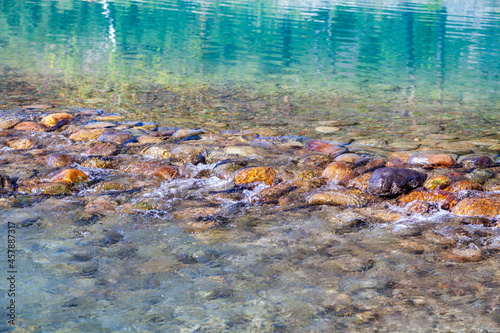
<point x="422" y="46"/>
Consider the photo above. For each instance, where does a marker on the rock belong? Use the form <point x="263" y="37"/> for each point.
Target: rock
<point x="9" y="122"/>
<point x="6" y="183"/>
<point x="100" y="125"/>
<point x="107" y="186"/>
<point x="56" y="119"/>
<point x="20" y="143"/>
<point x="70" y="176"/>
<point x="315" y="162"/>
<point x="152" y="168"/>
<point x="486" y="207"/>
<point x="273" y="193"/>
<point x="462" y="185"/>
<point x="37" y="107"/>
<point x="188" y="154"/>
<point x="437" y="182"/>
<point x="349" y="158"/>
<point x="371" y="166"/>
<point x="339" y="172"/>
<point x="55" y="188"/>
<point x="432" y="161"/>
<point x="462" y="255"/>
<point x="87" y="134"/>
<point x="408" y="145"/>
<point x="418" y="207"/>
<point x="413" y="247"/>
<point x="30" y="126"/>
<point x="325" y="148"/>
<point x="159" y="151"/>
<point x="492" y="185"/>
<point x="58" y="160"/>
<point x="446" y="199"/>
<point x="115" y="137"/>
<point x="143" y="139"/>
<point x="184" y="134"/>
<point x="480" y="176"/>
<point x="398" y="159"/>
<point x="101" y="149"/>
<point x="360" y="182"/>
<point x="350" y="197"/>
<point x="255" y="174"/>
<point x="327" y="129"/>
<point x="226" y="169"/>
<point x="243" y="151"/>
<point x="98" y="162"/>
<point x="391" y="182"/>
<point x="477" y="162"/>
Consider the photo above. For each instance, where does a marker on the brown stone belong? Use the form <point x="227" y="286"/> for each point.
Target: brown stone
<point x="58" y="160"/>
<point x="486" y="207"/>
<point x="188" y="154"/>
<point x="56" y="119"/>
<point x="325" y="147"/>
<point x="349" y="158"/>
<point x="55" y="188"/>
<point x="462" y="255"/>
<point x="464" y="184"/>
<point x="30" y="126"/>
<point x="87" y="134"/>
<point x="350" y="197"/>
<point x="70" y="176"/>
<point x="255" y="174"/>
<point x="432" y="160"/>
<point x="101" y="149"/>
<point x="437" y="182"/>
<point x="371" y="166"/>
<point x="98" y="162"/>
<point x="419" y="207"/>
<point x="360" y="182"/>
<point x="274" y="192"/>
<point x="446" y="199"/>
<point x="399" y="157"/>
<point x="339" y="172"/>
<point x="20" y="143"/>
<point x="152" y="168"/>
<point x="115" y="137"/>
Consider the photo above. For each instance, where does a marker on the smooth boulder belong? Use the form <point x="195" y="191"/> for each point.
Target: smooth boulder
<point x="391" y="182"/>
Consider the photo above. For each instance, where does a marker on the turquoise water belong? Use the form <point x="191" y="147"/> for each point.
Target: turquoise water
<point x="428" y="49"/>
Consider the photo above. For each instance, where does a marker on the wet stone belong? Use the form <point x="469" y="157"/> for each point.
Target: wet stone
<point x="30" y="126"/>
<point x="20" y="143"/>
<point x="184" y="134"/>
<point x="115" y="137"/>
<point x="477" y="162"/>
<point x="188" y="154"/>
<point x="351" y="197"/>
<point x="462" y="185"/>
<point x="152" y="168"/>
<point x="70" y="176"/>
<point x="273" y="193"/>
<point x="437" y="182"/>
<point x="360" y="182"/>
<point x="480" y="176"/>
<point x="339" y="172"/>
<point x="445" y="199"/>
<point x="349" y="158"/>
<point x="101" y="149"/>
<point x="255" y="174"/>
<point x="9" y="122"/>
<point x="478" y="207"/>
<point x="325" y="147"/>
<point x="100" y="125"/>
<point x="86" y="134"/>
<point x="58" y="160"/>
<point x="462" y="255"/>
<point x="98" y="162"/>
<point x="327" y="129"/>
<point x="432" y="161"/>
<point x="144" y="139"/>
<point x="226" y="169"/>
<point x="391" y="182"/>
<point x="54" y="188"/>
<point x="56" y="119"/>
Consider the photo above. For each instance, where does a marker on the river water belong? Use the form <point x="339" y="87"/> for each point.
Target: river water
<point x="386" y="75"/>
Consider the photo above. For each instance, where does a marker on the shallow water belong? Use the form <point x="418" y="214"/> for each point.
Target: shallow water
<point x="414" y="75"/>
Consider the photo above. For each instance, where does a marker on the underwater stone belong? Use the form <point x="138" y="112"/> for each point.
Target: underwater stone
<point x="349" y="197"/>
<point x="360" y="182"/>
<point x="53" y="188"/>
<point x="152" y="168"/>
<point x="390" y="182"/>
<point x="464" y="184"/>
<point x="339" y="172"/>
<point x="101" y="149"/>
<point x="86" y="134"/>
<point x="58" y="160"/>
<point x="56" y="119"/>
<point x="226" y="169"/>
<point x="437" y="182"/>
<point x="184" y="134"/>
<point x="9" y="122"/>
<point x="188" y="154"/>
<point x="432" y="160"/>
<point x="255" y="174"/>
<point x="20" y="143"/>
<point x="325" y="148"/>
<point x="30" y="126"/>
<point x="70" y="176"/>
<point x="446" y="199"/>
<point x="274" y="192"/>
<point x="115" y="137"/>
<point x="486" y="207"/>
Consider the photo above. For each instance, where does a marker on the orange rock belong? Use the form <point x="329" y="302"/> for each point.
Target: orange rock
<point x="437" y="182"/>
<point x="339" y="172"/>
<point x="477" y="207"/>
<point x="101" y="149"/>
<point x="464" y="184"/>
<point x="70" y="176"/>
<point x="30" y="126"/>
<point x="419" y="207"/>
<point x="275" y="192"/>
<point x="87" y="134"/>
<point x="400" y="155"/>
<point x="256" y="174"/>
<point x="21" y="143"/>
<point x="325" y="147"/>
<point x="432" y="160"/>
<point x="58" y="160"/>
<point x="56" y="119"/>
<point x="462" y="255"/>
<point x="446" y="199"/>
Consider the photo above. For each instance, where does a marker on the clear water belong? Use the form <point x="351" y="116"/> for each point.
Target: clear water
<point x="380" y="63"/>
